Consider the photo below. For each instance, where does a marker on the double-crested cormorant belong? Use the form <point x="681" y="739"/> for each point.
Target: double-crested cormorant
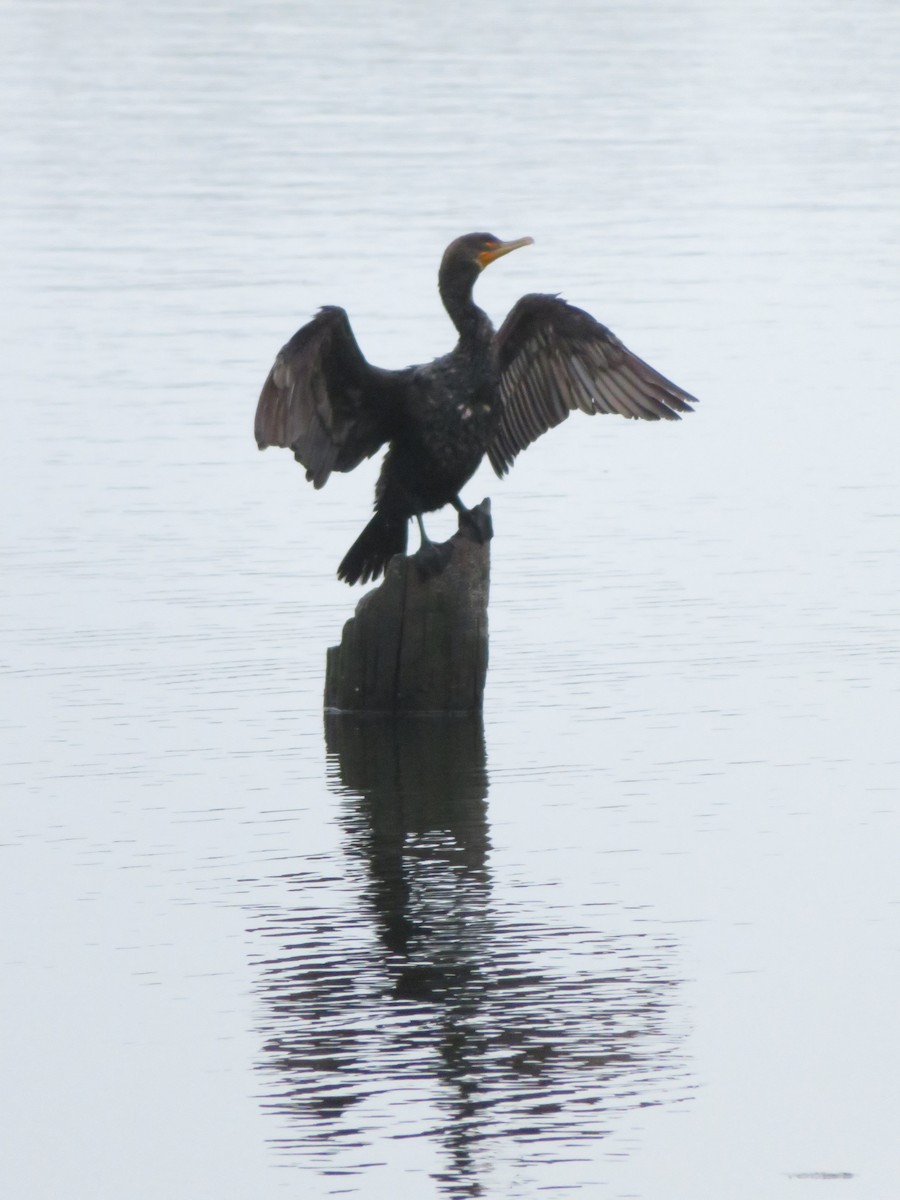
<point x="494" y="393"/>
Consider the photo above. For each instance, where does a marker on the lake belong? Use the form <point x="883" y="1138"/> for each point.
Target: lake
<point x="636" y="933"/>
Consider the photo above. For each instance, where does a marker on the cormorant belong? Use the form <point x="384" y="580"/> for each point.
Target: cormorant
<point x="494" y="393"/>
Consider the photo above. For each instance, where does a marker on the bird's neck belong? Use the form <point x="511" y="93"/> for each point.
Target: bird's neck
<point x="472" y="323"/>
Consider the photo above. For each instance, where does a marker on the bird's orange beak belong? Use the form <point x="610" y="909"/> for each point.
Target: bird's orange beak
<point x="501" y="248"/>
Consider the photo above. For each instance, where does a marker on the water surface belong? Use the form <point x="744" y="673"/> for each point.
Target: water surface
<point x="636" y="934"/>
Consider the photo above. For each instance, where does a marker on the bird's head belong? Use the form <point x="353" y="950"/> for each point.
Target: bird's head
<point x="467" y="256"/>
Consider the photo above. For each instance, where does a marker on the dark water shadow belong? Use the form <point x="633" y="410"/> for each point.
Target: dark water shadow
<point x="428" y="1009"/>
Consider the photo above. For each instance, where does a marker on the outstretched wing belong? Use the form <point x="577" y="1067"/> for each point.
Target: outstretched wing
<point x="554" y="358"/>
<point x="323" y="400"/>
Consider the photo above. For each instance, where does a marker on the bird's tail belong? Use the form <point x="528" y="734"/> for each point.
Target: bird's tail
<point x="382" y="538"/>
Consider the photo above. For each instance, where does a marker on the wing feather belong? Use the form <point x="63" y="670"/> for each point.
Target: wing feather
<point x="554" y="358"/>
<point x="324" y="401"/>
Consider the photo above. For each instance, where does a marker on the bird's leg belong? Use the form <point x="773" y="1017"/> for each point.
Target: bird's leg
<point x="475" y="521"/>
<point x="430" y="558"/>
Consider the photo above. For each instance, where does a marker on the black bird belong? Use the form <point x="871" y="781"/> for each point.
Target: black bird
<point x="494" y="393"/>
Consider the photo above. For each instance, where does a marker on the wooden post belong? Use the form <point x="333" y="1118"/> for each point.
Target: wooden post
<point x="418" y="644"/>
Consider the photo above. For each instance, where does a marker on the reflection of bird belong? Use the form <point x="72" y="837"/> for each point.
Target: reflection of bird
<point x="495" y="393"/>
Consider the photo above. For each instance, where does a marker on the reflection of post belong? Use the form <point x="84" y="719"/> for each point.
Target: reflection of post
<point x="418" y="644"/>
<point x="416" y="818"/>
<point x="421" y="784"/>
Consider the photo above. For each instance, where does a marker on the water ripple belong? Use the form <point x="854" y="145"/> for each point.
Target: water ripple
<point x="487" y="1032"/>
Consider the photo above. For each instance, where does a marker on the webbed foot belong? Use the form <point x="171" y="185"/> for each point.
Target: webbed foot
<point x="476" y="522"/>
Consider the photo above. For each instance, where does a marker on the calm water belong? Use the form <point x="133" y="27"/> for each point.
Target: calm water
<point x="638" y="934"/>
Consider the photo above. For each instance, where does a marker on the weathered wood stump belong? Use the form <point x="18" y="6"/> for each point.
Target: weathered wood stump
<point x="415" y="643"/>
